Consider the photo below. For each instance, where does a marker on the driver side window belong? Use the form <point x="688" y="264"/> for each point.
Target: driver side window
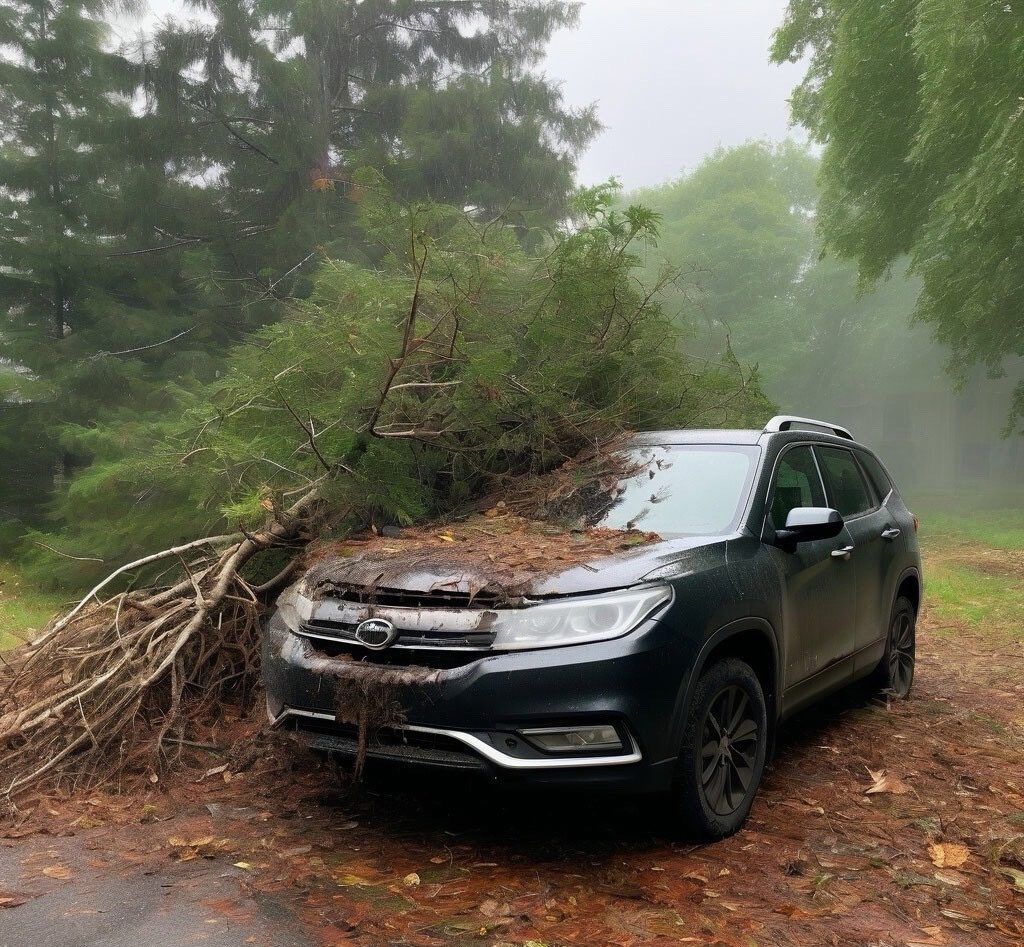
<point x="797" y="485"/>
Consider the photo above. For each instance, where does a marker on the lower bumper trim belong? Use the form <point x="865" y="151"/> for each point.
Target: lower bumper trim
<point x="485" y="749"/>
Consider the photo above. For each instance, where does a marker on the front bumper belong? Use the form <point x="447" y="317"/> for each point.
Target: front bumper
<point x="471" y="717"/>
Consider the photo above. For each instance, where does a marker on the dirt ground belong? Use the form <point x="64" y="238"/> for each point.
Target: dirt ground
<point x="877" y="825"/>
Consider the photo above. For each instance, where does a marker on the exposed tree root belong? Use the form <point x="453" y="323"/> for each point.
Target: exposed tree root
<point x="109" y="685"/>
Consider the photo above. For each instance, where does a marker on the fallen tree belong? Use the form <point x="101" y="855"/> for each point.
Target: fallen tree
<point x="460" y="367"/>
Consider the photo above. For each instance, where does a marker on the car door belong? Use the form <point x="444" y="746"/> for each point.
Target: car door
<point x="872" y="533"/>
<point x="819" y="588"/>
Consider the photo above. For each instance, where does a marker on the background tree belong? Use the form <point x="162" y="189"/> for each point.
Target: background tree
<point x="918" y="107"/>
<point x="741" y="228"/>
<point x="159" y="202"/>
<point x="78" y="183"/>
<point x="277" y="104"/>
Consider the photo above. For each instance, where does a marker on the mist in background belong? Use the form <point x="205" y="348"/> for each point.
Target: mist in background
<point x="674" y="83"/>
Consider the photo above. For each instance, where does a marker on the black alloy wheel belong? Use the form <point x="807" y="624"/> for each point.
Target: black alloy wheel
<point x="722" y="756"/>
<point x="729" y="751"/>
<point x="897" y="669"/>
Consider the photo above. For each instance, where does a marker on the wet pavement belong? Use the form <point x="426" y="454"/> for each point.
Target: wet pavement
<point x="76" y="899"/>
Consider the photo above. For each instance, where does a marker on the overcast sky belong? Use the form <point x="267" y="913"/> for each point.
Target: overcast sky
<point x="672" y="79"/>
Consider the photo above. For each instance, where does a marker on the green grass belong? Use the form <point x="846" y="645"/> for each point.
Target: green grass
<point x="973" y="565"/>
<point x="23" y="609"/>
<point x="999" y="530"/>
<point x="977" y="598"/>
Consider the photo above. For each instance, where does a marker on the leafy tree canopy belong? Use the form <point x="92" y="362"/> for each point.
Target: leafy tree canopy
<point x="497" y="361"/>
<point x="917" y="104"/>
<point x="741" y="229"/>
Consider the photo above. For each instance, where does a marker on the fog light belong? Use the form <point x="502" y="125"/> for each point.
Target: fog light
<point x="574" y="739"/>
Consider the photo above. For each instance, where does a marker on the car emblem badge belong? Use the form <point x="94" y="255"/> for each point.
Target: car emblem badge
<point x="377" y="634"/>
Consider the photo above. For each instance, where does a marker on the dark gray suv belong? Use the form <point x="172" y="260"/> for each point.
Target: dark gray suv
<point x="787" y="567"/>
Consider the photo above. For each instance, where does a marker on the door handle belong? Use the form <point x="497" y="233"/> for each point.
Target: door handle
<point x="843" y="553"/>
<point x="892" y="533"/>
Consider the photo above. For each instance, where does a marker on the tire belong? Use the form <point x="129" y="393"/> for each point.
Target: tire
<point x="716" y="780"/>
<point x="895" y="672"/>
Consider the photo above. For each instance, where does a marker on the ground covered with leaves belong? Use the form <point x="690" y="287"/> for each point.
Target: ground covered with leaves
<point x="879" y="824"/>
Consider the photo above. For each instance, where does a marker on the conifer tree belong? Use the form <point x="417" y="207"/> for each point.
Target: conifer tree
<point x="87" y="312"/>
<point x="280" y="103"/>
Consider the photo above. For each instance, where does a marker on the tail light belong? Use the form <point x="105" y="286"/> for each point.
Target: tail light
<point x="917" y="522"/>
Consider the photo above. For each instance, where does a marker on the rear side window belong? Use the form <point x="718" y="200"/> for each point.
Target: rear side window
<point x="883" y="485"/>
<point x="845" y="483"/>
<point x="797" y="485"/>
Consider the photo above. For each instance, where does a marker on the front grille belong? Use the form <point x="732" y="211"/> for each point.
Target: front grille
<point x="402" y="598"/>
<point x="437" y="659"/>
<point x="437" y="638"/>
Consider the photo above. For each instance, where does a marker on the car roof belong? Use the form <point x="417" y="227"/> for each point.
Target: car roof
<point x="741" y="437"/>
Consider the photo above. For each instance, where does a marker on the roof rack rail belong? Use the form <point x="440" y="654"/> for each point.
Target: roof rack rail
<point x="785" y="422"/>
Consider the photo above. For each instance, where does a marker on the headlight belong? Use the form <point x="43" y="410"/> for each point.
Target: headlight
<point x="294" y="609"/>
<point x="577" y="620"/>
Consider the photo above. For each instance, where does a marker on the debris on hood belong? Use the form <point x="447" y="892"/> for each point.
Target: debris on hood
<point x="497" y="555"/>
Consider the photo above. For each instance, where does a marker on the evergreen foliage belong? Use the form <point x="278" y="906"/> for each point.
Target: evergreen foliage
<point x="515" y="360"/>
<point x="159" y="202"/>
<point x="76" y="186"/>
<point x="918" y="107"/>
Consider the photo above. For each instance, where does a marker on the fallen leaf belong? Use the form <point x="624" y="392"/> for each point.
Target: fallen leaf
<point x="10" y="899"/>
<point x="411" y="880"/>
<point x="948" y="854"/>
<point x="57" y="871"/>
<point x="353" y="881"/>
<point x="245" y="866"/>
<point x="934" y="935"/>
<point x="885" y="783"/>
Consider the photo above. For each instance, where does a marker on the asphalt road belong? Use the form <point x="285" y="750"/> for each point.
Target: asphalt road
<point x="196" y="902"/>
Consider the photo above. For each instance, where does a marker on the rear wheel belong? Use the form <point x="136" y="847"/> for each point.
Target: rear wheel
<point x="722" y="758"/>
<point x="895" y="672"/>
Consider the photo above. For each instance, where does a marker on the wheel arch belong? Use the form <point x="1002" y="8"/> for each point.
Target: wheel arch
<point x="752" y="640"/>
<point x="909" y="586"/>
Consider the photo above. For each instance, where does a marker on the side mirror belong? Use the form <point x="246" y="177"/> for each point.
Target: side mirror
<point x="809" y="524"/>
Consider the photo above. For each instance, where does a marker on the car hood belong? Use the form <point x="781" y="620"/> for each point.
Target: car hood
<point x="434" y="572"/>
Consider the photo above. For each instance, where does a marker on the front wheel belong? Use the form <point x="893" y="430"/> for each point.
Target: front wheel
<point x="895" y="672"/>
<point x="722" y="758"/>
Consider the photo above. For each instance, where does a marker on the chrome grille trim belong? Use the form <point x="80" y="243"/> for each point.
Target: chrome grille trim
<point x="485" y="749"/>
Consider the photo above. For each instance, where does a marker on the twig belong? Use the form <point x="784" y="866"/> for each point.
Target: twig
<point x="66" y="555"/>
<point x="142" y="348"/>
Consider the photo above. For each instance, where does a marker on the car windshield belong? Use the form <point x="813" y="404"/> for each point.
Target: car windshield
<point x="691" y="490"/>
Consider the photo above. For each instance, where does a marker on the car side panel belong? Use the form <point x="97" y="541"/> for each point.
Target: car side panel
<point x="873" y="562"/>
<point x="897" y="559"/>
<point x="761" y="571"/>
